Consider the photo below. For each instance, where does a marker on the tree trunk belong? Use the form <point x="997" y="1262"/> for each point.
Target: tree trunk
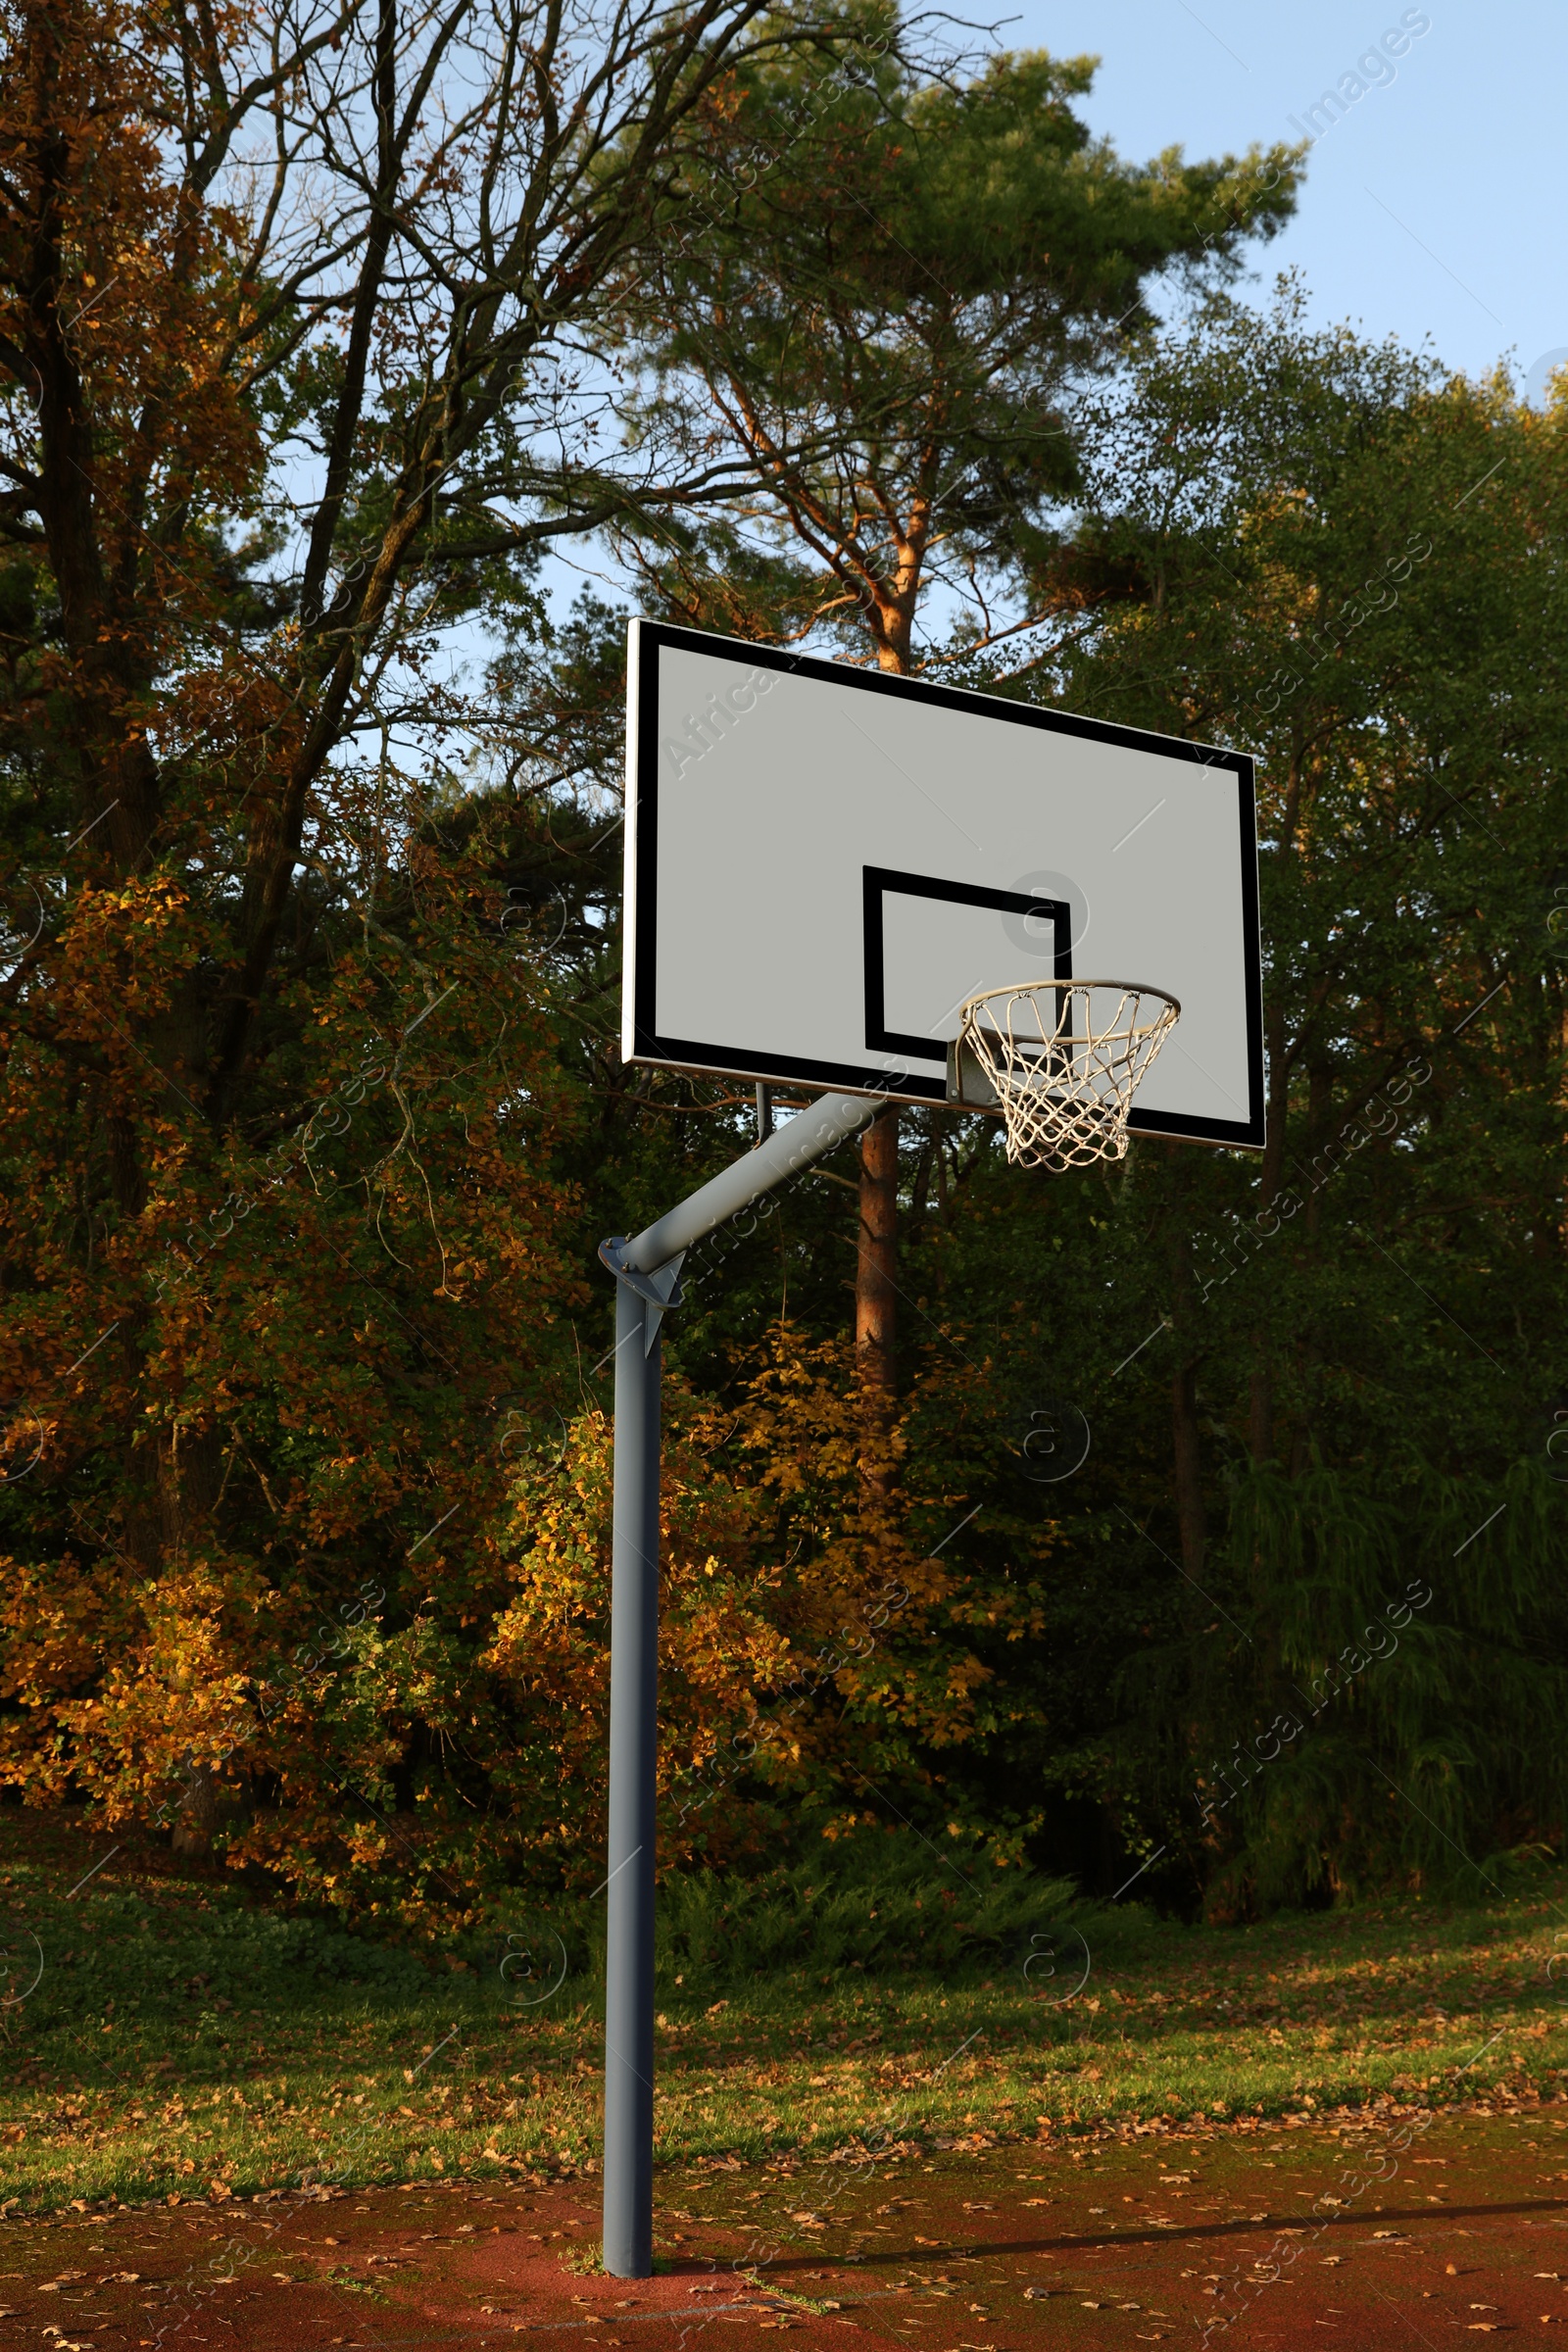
<point x="876" y="1269"/>
<point x="1191" y="1518"/>
<point x="1260" y="1401"/>
<point x="878" y="1264"/>
<point x="198" y="1816"/>
<point x="1186" y="1443"/>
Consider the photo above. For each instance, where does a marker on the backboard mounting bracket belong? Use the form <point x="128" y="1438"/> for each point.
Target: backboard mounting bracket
<point x="969" y="1086"/>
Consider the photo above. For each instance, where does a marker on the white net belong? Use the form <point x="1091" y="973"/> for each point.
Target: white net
<point x="1065" y="1059"/>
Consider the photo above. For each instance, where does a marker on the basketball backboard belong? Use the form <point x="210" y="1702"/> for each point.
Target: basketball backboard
<point x="824" y="863"/>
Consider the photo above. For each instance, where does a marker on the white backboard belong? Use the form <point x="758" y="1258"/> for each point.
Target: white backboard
<point x="824" y="863"/>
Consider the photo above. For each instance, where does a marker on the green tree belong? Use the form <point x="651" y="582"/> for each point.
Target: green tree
<point x="1350" y="1351"/>
<point x="877" y="299"/>
<point x="874" y="299"/>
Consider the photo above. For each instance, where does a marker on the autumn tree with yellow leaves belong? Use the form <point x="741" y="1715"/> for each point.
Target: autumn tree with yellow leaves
<point x="292" y="306"/>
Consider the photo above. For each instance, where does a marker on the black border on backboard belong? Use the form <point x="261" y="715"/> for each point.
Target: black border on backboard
<point x="733" y="1060"/>
<point x="877" y="881"/>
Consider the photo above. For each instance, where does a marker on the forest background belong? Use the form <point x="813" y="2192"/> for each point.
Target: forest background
<point x="1197" y="1520"/>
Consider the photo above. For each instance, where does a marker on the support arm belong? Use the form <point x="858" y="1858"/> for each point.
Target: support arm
<point x="811" y="1135"/>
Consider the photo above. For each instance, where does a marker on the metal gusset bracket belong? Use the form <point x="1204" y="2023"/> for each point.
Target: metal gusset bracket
<point x="658" y="1291"/>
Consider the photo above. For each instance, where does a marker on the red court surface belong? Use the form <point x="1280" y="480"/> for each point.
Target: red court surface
<point x="1179" y="2238"/>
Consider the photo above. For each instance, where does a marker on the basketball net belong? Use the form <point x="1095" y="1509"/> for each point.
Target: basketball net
<point x="1065" y="1059"/>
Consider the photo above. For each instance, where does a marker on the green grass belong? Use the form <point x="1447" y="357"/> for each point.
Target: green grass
<point x="183" y="2040"/>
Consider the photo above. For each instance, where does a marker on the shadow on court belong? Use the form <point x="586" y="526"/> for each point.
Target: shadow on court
<point x="1178" y="2238"/>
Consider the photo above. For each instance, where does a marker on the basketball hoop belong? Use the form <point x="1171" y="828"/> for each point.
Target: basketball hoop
<point x="1061" y="1060"/>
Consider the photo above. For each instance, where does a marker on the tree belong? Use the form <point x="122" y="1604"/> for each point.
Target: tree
<point x="899" y="292"/>
<point x="1324" y="1380"/>
<point x="293" y="305"/>
<point x="357" y="244"/>
<point x="895" y="290"/>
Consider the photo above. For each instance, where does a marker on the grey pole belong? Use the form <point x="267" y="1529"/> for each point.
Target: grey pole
<point x="819" y="1129"/>
<point x="647" y="1270"/>
<point x="628" y="2250"/>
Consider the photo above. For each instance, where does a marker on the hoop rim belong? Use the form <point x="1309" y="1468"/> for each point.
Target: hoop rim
<point x="1029" y="988"/>
<point x="974" y="1080"/>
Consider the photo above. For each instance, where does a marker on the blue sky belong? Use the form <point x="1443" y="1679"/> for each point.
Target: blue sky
<point x="1432" y="208"/>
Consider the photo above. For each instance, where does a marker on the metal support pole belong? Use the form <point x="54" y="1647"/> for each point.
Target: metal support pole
<point x="646" y="1271"/>
<point x="628" y="2250"/>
